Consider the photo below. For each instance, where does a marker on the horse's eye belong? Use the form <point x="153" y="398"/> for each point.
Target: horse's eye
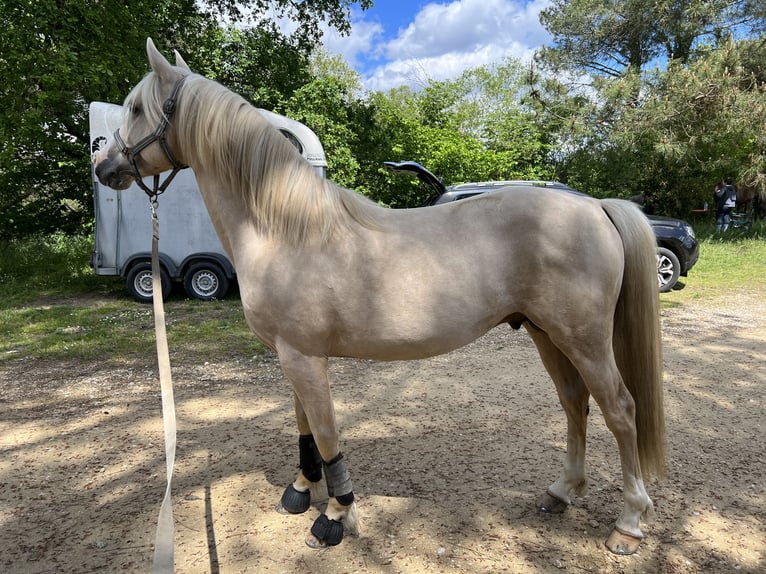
<point x="136" y="110"/>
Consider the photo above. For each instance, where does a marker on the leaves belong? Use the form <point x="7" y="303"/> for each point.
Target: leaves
<point x="56" y="57"/>
<point x="671" y="131"/>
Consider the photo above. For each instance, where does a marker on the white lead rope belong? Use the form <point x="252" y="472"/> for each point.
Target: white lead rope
<point x="163" y="544"/>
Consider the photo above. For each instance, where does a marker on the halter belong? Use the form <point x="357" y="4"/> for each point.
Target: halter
<point x="131" y="153"/>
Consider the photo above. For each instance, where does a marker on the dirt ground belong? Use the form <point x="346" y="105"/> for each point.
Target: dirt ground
<point x="448" y="457"/>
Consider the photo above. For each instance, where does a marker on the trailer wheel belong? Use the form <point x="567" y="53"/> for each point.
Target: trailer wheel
<point x="139" y="282"/>
<point x="205" y="281"/>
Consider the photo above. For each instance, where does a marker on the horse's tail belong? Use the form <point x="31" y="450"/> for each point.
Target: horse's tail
<point x="637" y="344"/>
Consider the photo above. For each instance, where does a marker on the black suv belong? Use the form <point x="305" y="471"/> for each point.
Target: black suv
<point x="677" y="249"/>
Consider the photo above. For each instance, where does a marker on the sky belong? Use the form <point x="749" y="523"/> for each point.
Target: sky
<point x="409" y="42"/>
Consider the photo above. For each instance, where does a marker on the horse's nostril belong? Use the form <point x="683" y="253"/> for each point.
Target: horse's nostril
<point x="105" y="172"/>
<point x="101" y="171"/>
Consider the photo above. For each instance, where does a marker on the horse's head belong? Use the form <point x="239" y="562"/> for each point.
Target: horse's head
<point x="145" y="143"/>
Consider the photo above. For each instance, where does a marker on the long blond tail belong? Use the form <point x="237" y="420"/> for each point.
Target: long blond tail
<point x="637" y="337"/>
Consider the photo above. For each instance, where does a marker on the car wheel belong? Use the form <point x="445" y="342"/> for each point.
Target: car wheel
<point x="140" y="284"/>
<point x="205" y="281"/>
<point x="668" y="269"/>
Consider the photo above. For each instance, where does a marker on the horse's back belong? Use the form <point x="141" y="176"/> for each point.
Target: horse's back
<point x="433" y="279"/>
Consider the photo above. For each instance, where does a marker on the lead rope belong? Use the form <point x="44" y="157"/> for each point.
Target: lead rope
<point x="163" y="544"/>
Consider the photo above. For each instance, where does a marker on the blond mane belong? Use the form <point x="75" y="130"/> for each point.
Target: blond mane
<point x="286" y="197"/>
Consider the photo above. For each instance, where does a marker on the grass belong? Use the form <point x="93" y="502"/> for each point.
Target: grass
<point x="53" y="307"/>
<point x="732" y="260"/>
<point x="55" y="265"/>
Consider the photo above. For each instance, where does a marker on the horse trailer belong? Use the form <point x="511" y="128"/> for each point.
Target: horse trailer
<point x="190" y="251"/>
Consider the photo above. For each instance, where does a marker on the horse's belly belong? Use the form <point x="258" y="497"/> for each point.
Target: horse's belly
<point x="415" y="336"/>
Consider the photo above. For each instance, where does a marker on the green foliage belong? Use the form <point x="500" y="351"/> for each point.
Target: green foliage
<point x="672" y="133"/>
<point x="327" y="104"/>
<point x="669" y="132"/>
<point x="261" y="64"/>
<point x="56" y="57"/>
<point x="474" y="128"/>
<point x="623" y="131"/>
<point x="48" y="265"/>
<point x="606" y="37"/>
<point x="699" y="123"/>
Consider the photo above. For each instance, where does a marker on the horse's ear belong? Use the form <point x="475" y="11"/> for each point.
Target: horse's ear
<point x="180" y="62"/>
<point x="158" y="62"/>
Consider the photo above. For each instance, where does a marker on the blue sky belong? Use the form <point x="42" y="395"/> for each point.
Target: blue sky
<point x="408" y="42"/>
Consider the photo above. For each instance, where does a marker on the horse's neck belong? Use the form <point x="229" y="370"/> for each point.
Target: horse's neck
<point x="256" y="183"/>
<point x="229" y="216"/>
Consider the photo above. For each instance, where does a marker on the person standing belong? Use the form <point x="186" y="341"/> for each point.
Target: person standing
<point x="725" y="196"/>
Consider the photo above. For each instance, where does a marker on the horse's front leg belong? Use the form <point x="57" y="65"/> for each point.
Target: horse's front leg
<point x="308" y="487"/>
<point x="319" y="444"/>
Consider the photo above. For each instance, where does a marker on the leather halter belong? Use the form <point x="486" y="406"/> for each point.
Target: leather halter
<point x="158" y="135"/>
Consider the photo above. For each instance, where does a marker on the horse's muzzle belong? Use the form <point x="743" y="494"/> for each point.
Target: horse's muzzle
<point x="113" y="173"/>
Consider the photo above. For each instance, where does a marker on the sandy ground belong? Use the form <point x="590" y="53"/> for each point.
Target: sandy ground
<point x="448" y="457"/>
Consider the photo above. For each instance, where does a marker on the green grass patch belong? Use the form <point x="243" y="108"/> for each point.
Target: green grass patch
<point x="728" y="261"/>
<point x="54" y="307"/>
<point x="55" y="265"/>
<point x="123" y="330"/>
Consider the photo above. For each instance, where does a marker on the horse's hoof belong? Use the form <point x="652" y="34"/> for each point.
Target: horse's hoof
<point x="621" y="543"/>
<point x="315" y="543"/>
<point x="325" y="532"/>
<point x="294" y="501"/>
<point x="551" y="505"/>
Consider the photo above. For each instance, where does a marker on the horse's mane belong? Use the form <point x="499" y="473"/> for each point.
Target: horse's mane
<point x="286" y="197"/>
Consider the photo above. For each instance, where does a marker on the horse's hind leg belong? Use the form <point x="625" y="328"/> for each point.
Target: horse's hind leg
<point x="604" y="382"/>
<point x="316" y="417"/>
<point x="573" y="396"/>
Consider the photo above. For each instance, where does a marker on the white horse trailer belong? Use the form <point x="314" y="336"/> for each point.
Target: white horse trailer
<point x="190" y="251"/>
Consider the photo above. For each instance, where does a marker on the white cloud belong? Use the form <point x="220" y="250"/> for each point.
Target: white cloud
<point x="365" y="35"/>
<point x="443" y="40"/>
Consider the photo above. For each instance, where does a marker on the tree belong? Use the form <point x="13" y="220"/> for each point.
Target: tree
<point x="473" y="128"/>
<point x="701" y="123"/>
<point x="306" y="15"/>
<point x="260" y="64"/>
<point x="690" y="126"/>
<point x="492" y="108"/>
<point x="52" y="63"/>
<point x="625" y="128"/>
<point x="56" y="57"/>
<point x="327" y="105"/>
<point x="607" y="36"/>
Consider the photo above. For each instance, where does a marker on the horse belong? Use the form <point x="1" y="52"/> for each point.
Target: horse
<point x="325" y="272"/>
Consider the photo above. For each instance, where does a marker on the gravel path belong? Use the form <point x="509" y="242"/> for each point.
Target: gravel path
<point x="448" y="457"/>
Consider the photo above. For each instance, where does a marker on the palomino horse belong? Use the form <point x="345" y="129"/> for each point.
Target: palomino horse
<point x="325" y="272"/>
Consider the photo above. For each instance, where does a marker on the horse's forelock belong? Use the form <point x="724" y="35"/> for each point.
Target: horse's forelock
<point x="146" y="95"/>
